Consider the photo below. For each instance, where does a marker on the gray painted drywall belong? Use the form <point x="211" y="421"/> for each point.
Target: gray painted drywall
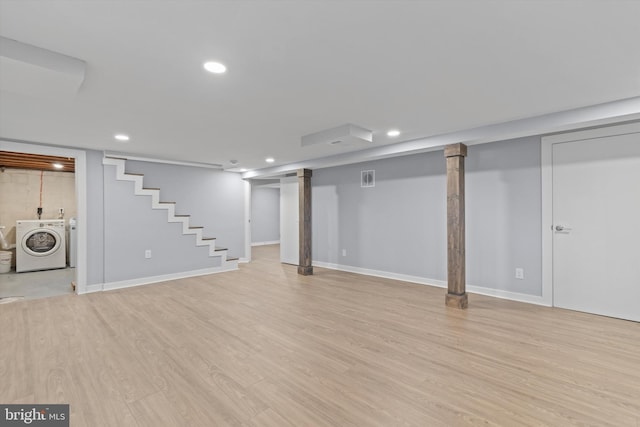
<point x="504" y="215"/>
<point x="265" y="214"/>
<point x="395" y="226"/>
<point x="399" y="226"/>
<point x="213" y="198"/>
<point x="95" y="218"/>
<point x="131" y="227"/>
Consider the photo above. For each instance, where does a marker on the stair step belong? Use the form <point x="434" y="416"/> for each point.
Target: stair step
<point x="172" y="216"/>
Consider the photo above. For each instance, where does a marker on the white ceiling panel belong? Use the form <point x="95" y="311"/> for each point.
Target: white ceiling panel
<point x="300" y="67"/>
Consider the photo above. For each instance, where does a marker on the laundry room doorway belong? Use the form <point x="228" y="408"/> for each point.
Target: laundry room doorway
<point x="45" y="188"/>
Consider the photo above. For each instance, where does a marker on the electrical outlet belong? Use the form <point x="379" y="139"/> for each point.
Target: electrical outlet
<point x="519" y="273"/>
<point x="147" y="254"/>
<point x="344" y="252"/>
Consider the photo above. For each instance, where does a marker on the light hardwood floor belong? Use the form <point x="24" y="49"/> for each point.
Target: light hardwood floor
<point x="266" y="347"/>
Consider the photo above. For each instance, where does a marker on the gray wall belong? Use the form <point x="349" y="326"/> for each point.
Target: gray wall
<point x="265" y="214"/>
<point x="395" y="226"/>
<point x="399" y="226"/>
<point x="131" y="227"/>
<point x="95" y="218"/>
<point x="504" y="215"/>
<point x="213" y="198"/>
<point x="121" y="225"/>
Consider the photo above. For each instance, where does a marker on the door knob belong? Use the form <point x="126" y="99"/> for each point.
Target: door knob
<point x="562" y="228"/>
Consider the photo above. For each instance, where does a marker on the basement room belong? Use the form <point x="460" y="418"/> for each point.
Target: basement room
<point x="319" y="213"/>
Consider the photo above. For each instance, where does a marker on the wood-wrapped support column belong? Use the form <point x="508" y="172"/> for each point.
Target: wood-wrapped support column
<point x="304" y="199"/>
<point x="456" y="275"/>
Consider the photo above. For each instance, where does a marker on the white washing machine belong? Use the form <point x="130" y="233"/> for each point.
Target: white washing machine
<point x="40" y="245"/>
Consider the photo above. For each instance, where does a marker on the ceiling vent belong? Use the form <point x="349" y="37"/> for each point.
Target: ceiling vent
<point x="342" y="135"/>
<point x="31" y="70"/>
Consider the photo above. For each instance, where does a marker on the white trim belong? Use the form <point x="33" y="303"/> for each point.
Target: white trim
<point x="547" y="143"/>
<point x="163" y="278"/>
<point x="512" y="296"/>
<point x="80" y="157"/>
<point x="247" y="220"/>
<point x="496" y="293"/>
<point x="92" y="288"/>
<point x="243" y="260"/>
<point x="272" y="242"/>
<point x="546" y="175"/>
<point x="165" y="161"/>
<point x="601" y="132"/>
<point x="383" y="274"/>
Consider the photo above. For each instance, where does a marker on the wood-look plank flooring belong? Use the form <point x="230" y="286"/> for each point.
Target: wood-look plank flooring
<point x="264" y="346"/>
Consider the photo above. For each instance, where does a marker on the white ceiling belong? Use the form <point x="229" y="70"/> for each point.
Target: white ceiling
<point x="298" y="67"/>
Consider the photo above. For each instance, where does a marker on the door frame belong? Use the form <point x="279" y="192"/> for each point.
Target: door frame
<point x="247" y="222"/>
<point x="80" y="157"/>
<point x="547" y="143"/>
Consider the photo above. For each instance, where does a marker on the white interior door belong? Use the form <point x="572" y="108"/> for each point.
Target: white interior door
<point x="596" y="225"/>
<point x="289" y="220"/>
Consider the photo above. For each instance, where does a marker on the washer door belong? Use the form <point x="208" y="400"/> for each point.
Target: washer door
<point x="41" y="242"/>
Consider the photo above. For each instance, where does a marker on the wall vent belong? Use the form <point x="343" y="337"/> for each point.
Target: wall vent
<point x="368" y="178"/>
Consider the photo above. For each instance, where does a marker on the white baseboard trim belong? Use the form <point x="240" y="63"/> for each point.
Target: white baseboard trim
<point x="497" y="293"/>
<point x="97" y="287"/>
<point x="163" y="278"/>
<point x="383" y="274"/>
<point x="513" y="296"/>
<point x="272" y="242"/>
<point x="243" y="260"/>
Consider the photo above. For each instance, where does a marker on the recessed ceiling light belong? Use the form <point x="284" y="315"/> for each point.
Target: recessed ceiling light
<point x="233" y="162"/>
<point x="121" y="137"/>
<point x="393" y="133"/>
<point x="269" y="160"/>
<point x="215" y="67"/>
<point x="58" y="166"/>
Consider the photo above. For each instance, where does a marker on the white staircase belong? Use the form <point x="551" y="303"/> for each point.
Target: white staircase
<point x="226" y="263"/>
